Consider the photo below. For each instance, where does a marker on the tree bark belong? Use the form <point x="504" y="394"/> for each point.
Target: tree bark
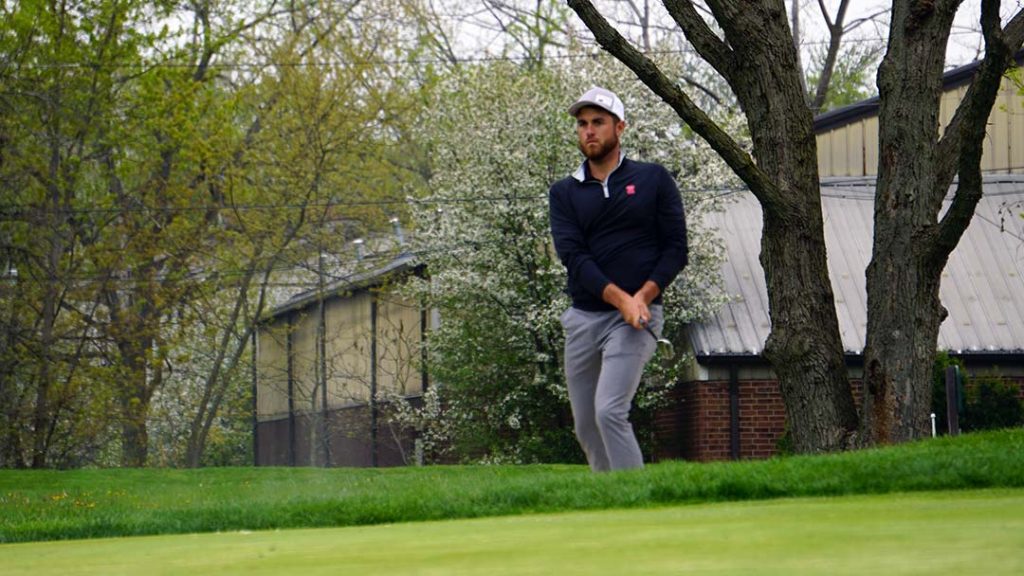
<point x="915" y="171"/>
<point x="759" y="61"/>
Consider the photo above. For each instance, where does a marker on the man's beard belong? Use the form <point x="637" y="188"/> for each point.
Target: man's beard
<point x="600" y="153"/>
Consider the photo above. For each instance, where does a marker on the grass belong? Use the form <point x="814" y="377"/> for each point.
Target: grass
<point x="52" y="505"/>
<point x="962" y="532"/>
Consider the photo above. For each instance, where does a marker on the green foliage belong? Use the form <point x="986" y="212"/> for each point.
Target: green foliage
<point x="47" y="505"/>
<point x="853" y="77"/>
<point x="992" y="403"/>
<point x="154" y="195"/>
<point x="499" y="136"/>
<point x="987" y="401"/>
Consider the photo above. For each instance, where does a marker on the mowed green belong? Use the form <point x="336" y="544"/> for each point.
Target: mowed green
<point x="958" y="532"/>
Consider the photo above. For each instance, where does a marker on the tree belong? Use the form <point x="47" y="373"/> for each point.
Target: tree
<point x="756" y="56"/>
<point x="492" y="272"/>
<point x="335" y="178"/>
<point x="137" y="161"/>
<point x="916" y="169"/>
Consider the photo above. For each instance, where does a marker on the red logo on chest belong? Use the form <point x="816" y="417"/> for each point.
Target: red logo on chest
<point x="630" y="189"/>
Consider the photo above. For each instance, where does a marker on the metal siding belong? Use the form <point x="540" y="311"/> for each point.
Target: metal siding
<point x="272" y="371"/>
<point x="998" y="131"/>
<point x="304" y="357"/>
<point x="839" y="157"/>
<point x="982" y="285"/>
<point x="348" y="350"/>
<point x="855" y="149"/>
<point x="852" y="149"/>
<point x="947" y="107"/>
<point x="824" y="140"/>
<point x="871" y="145"/>
<point x="398" y="334"/>
<point x="1015" y="121"/>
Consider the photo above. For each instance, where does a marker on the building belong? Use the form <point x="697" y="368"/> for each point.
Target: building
<point x="322" y="358"/>
<point x="731" y="407"/>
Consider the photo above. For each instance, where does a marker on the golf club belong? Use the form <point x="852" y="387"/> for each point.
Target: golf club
<point x="665" y="348"/>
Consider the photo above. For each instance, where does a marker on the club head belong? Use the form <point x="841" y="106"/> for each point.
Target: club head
<point x="665" y="349"/>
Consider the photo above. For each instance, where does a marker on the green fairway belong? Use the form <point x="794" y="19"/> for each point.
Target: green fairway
<point x="963" y="532"/>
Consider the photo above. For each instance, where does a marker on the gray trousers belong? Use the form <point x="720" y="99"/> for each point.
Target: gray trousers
<point x="604" y="359"/>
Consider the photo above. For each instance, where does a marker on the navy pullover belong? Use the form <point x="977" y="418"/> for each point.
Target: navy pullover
<point x="627" y="233"/>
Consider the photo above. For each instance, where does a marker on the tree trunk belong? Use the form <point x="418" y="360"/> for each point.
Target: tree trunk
<point x="134" y="399"/>
<point x="915" y="171"/>
<point x="804" y="346"/>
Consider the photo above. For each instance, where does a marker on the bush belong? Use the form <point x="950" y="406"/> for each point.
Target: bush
<point x="992" y="403"/>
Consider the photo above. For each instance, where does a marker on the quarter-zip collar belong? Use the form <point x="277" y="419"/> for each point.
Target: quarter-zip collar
<point x="581" y="173"/>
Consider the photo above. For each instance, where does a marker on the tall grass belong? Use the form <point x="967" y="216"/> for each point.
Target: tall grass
<point x="50" y="505"/>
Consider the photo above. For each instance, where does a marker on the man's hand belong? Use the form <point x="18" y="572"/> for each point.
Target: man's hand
<point x="647" y="293"/>
<point x="632" y="308"/>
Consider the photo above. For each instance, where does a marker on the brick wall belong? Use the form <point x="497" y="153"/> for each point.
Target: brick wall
<point x="696" y="423"/>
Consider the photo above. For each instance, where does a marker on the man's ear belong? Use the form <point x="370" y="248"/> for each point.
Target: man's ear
<point x="620" y="127"/>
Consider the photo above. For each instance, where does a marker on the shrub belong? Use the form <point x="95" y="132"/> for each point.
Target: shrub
<point x="992" y="403"/>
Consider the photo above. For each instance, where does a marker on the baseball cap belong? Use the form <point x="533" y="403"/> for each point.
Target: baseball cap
<point x="601" y="98"/>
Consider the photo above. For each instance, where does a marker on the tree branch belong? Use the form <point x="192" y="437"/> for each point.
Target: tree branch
<point x="737" y="159"/>
<point x="961" y="147"/>
<point x="835" y="31"/>
<point x="710" y="47"/>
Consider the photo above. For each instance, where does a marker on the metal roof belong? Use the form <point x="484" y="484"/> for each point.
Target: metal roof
<point x="982" y="285"/>
<point x="352" y="282"/>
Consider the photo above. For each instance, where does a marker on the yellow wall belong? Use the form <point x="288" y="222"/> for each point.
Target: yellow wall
<point x="272" y="371"/>
<point x="398" y="332"/>
<point x="852" y="150"/>
<point x="348" y="350"/>
<point x="348" y="341"/>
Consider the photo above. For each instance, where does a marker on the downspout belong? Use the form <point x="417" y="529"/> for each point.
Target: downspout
<point x="255" y="404"/>
<point x="734" y="412"/>
<point x="373" y="379"/>
<point x="290" y="352"/>
<point x="424" y="381"/>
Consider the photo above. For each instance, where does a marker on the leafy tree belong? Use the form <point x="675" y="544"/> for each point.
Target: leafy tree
<point x="499" y="137"/>
<point x="158" y="194"/>
<point x="852" y="75"/>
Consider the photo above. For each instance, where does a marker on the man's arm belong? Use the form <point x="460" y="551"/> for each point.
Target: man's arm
<point x="572" y="247"/>
<point x="671" y="224"/>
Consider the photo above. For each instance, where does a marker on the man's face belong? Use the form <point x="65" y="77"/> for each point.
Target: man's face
<point x="598" y="132"/>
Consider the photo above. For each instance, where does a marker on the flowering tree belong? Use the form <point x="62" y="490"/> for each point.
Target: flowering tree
<point x="500" y="136"/>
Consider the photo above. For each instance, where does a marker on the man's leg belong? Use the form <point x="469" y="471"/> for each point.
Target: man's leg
<point x="626" y="351"/>
<point x="582" y="369"/>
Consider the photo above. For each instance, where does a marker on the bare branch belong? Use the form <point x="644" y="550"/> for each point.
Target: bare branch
<point x="712" y="48"/>
<point x="835" y="39"/>
<point x="961" y="147"/>
<point x="648" y="72"/>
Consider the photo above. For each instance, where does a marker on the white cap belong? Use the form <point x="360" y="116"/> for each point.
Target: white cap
<point x="601" y="98"/>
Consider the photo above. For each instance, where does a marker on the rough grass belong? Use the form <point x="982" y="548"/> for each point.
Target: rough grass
<point x="51" y="505"/>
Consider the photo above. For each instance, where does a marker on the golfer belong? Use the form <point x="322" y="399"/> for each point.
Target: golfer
<point x="619" y="229"/>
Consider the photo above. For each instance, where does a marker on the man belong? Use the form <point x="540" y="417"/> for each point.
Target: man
<point x="619" y="229"/>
